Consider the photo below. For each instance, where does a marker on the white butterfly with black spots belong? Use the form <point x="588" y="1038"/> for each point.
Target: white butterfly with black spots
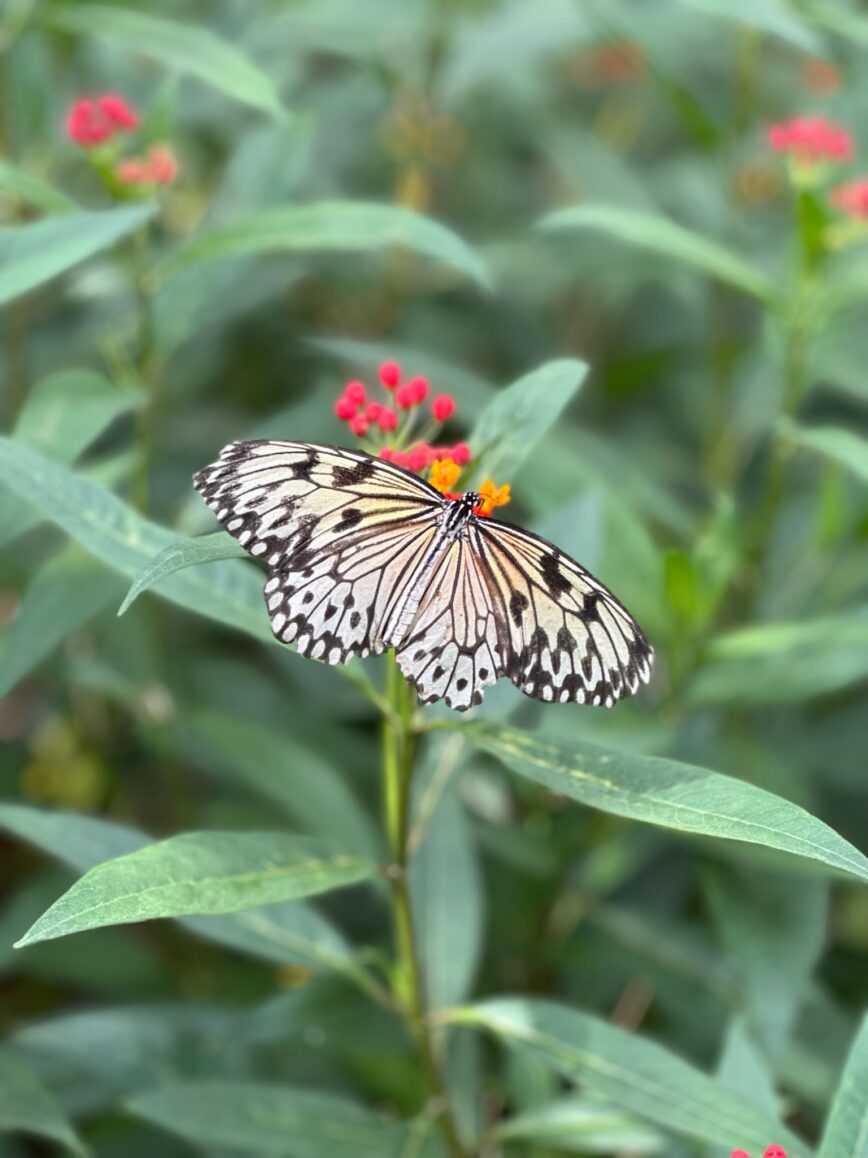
<point x="365" y="556"/>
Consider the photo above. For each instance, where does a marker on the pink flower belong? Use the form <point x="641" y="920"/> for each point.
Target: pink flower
<point x="119" y="113"/>
<point x="811" y="139"/>
<point x="461" y="453"/>
<point x="91" y="122"/>
<point x="162" y="166"/>
<point x="852" y="198"/>
<point x="159" y="167"/>
<point x="345" y="409"/>
<point x="355" y="392"/>
<point x="387" y="420"/>
<point x="417" y="459"/>
<point x="405" y="396"/>
<point x="359" y="425"/>
<point x="443" y="407"/>
<point x="419" y="387"/>
<point x="132" y="171"/>
<point x="390" y="375"/>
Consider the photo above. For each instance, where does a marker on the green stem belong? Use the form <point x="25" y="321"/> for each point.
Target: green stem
<point x="399" y="744"/>
<point x="146" y="343"/>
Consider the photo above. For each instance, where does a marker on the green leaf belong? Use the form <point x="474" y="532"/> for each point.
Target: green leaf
<point x="334" y="226"/>
<point x="254" y="1118"/>
<point x="230" y="592"/>
<point x="579" y="1126"/>
<point x="61" y="416"/>
<point x="665" y="238"/>
<point x="80" y="841"/>
<point x="177" y="556"/>
<point x="445" y="882"/>
<point x="27" y="1107"/>
<point x="635" y="1074"/>
<point x="846" y="1132"/>
<point x="197" y="873"/>
<point x="779" y="663"/>
<point x="671" y="794"/>
<point x="61" y="598"/>
<point x="30" y="190"/>
<point x="291" y="932"/>
<point x="293" y="776"/>
<point x="511" y="425"/>
<point x="33" y="254"/>
<point x="843" y="446"/>
<point x="850" y="25"/>
<point x="192" y="49"/>
<point x="770" y="16"/>
<point x="773" y="929"/>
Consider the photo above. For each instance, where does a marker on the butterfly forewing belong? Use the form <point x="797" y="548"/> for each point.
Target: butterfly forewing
<point x="364" y="555"/>
<point x="341" y="532"/>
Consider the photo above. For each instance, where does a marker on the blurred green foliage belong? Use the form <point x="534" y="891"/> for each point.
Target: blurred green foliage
<point x="618" y="950"/>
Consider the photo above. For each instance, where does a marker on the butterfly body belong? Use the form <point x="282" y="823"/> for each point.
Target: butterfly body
<point x="364" y="556"/>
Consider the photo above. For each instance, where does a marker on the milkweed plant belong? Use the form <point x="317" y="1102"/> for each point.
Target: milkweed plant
<point x="595" y="282"/>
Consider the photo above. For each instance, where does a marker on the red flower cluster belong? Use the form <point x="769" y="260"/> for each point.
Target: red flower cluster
<point x="98" y="121"/>
<point x="811" y="139"/>
<point x="769" y="1152"/>
<point x="421" y="456"/>
<point x="852" y="198"/>
<point x="373" y="418"/>
<point x="393" y="436"/>
<point x="91" y="122"/>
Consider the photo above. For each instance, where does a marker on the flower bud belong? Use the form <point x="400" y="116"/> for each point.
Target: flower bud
<point x="390" y="374"/>
<point x="443" y="407"/>
<point x="345" y="409"/>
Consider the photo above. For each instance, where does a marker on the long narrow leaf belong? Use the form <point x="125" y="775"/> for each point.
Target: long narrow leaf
<point x="26" y="1106"/>
<point x="664" y="237"/>
<point x="335" y="226"/>
<point x="511" y="425"/>
<point x="197" y="873"/>
<point x="189" y="48"/>
<point x="846" y="1131"/>
<point x="255" y="1118"/>
<point x="290" y="932"/>
<point x="31" y="255"/>
<point x="671" y="794"/>
<point x="631" y="1072"/>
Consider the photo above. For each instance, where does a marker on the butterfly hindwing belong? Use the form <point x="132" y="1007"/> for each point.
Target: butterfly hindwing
<point x="452" y="649"/>
<point x="567" y="636"/>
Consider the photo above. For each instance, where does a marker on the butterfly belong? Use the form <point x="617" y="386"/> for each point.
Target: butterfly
<point x="364" y="556"/>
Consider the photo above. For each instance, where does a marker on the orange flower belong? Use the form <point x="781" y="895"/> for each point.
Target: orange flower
<point x="493" y="496"/>
<point x="444" y="474"/>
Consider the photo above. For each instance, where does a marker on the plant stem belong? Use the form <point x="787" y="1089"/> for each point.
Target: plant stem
<point x="399" y="743"/>
<point x="146" y="364"/>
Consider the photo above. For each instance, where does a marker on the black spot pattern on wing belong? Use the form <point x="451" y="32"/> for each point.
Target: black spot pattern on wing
<point x="566" y="638"/>
<point x="336" y="529"/>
